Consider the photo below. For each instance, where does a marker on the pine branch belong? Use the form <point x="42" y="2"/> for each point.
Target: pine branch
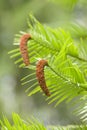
<point x="46" y="40"/>
<point x="65" y="74"/>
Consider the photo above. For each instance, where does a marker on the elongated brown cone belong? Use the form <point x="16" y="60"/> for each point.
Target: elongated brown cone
<point x="40" y="76"/>
<point x="23" y="48"/>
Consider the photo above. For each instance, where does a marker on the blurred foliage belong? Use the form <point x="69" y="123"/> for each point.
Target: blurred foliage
<point x="33" y="124"/>
<point x="13" y="18"/>
<point x="66" y="3"/>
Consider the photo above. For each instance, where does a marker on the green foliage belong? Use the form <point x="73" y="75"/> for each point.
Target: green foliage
<point x="66" y="3"/>
<point x="20" y="124"/>
<point x="33" y="124"/>
<point x="66" y="74"/>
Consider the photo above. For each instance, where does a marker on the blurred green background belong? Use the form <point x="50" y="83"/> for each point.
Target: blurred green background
<point x="13" y="18"/>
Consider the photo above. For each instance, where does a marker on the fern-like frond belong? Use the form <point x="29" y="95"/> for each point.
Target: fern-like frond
<point x="79" y="34"/>
<point x="33" y="124"/>
<point x="51" y="38"/>
<point x="81" y="107"/>
<point x="45" y="42"/>
<point x="78" y="31"/>
<point x="65" y="80"/>
<point x="66" y="73"/>
<point x="20" y="124"/>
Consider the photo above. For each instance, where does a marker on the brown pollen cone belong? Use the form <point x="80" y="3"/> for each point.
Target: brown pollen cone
<point x="40" y="76"/>
<point x="23" y="48"/>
